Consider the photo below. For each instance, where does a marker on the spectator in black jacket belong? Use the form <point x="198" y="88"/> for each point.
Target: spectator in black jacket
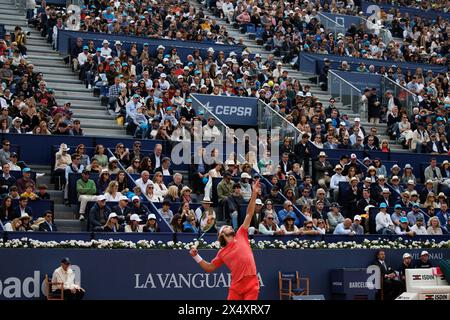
<point x="22" y="208"/>
<point x="122" y="210"/>
<point x="139" y="208"/>
<point x="98" y="215"/>
<point x="48" y="225"/>
<point x="302" y="153"/>
<point x="424" y="260"/>
<point x="6" y="180"/>
<point x="232" y="205"/>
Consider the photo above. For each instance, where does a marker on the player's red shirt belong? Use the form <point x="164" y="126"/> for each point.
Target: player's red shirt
<point x="237" y="256"/>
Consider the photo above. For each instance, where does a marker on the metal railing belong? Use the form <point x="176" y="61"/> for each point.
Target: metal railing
<point x="408" y="98"/>
<point x="348" y="94"/>
<point x="269" y="119"/>
<point x="331" y="25"/>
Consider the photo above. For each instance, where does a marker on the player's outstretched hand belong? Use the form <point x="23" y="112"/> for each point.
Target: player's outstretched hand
<point x="193" y="252"/>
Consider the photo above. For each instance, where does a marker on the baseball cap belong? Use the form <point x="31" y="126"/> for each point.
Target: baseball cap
<point x="112" y="215"/>
<point x="101" y="198"/>
<point x="383" y="205"/>
<point x="124" y="198"/>
<point x="135" y="198"/>
<point x="151" y="216"/>
<point x="424" y="252"/>
<point x="26" y="169"/>
<point x="398" y="206"/>
<point x="259" y="202"/>
<point x="65" y="260"/>
<point x="135" y="217"/>
<point x="357" y="217"/>
<point x="406" y="255"/>
<point x="403" y="220"/>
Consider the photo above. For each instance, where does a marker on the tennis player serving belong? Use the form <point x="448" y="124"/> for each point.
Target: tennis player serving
<point x="237" y="255"/>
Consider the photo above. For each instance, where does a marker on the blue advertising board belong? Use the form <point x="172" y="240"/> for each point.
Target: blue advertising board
<point x="172" y="274"/>
<point x="360" y="80"/>
<point x="233" y="111"/>
<point x="67" y="39"/>
<point x="412" y="12"/>
<point x="342" y="19"/>
<point x="313" y="63"/>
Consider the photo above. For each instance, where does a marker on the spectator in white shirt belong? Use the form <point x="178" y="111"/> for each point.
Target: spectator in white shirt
<point x="66" y="277"/>
<point x="160" y="189"/>
<point x="106" y="50"/>
<point x="210" y="131"/>
<point x="144" y="181"/>
<point x="269" y="227"/>
<point x="82" y="56"/>
<point x="384" y="224"/>
<point x="419" y="228"/>
<point x="335" y="179"/>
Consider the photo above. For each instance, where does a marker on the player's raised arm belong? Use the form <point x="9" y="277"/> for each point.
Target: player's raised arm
<point x="205" y="265"/>
<point x="251" y="204"/>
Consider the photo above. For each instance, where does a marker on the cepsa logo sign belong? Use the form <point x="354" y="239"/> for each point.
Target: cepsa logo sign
<point x="436" y="296"/>
<point x="422" y="277"/>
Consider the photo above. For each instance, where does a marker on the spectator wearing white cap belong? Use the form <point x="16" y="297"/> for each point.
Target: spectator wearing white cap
<point x="408" y="176"/>
<point x="406" y="264"/>
<point x="151" y="224"/>
<point x="121" y="209"/>
<point x="106" y="50"/>
<point x="134" y="224"/>
<point x="356" y="225"/>
<point x="98" y="215"/>
<point x="334" y="181"/>
<point x="424" y="260"/>
<point x="112" y="224"/>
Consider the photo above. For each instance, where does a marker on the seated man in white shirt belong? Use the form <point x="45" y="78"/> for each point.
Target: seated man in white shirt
<point x="419" y="228"/>
<point x="210" y="131"/>
<point x="269" y="227"/>
<point x="65" y="275"/>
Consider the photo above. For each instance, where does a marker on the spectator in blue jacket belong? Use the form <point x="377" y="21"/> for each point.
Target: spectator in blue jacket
<point x="288" y="209"/>
<point x="444" y="215"/>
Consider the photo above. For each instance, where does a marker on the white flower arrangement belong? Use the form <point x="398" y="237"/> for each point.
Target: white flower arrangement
<point x="294" y="244"/>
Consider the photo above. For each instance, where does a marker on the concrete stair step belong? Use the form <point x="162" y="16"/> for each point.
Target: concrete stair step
<point x="83" y="104"/>
<point x="99" y="123"/>
<point x="12" y="12"/>
<point x="70" y="225"/>
<point x="64" y="95"/>
<point x="40" y="49"/>
<point x="117" y="133"/>
<point x="103" y="116"/>
<point x="38" y="42"/>
<point x="8" y="6"/>
<point x="46" y="57"/>
<point x="67" y="80"/>
<point x="59" y="64"/>
<point x="16" y="18"/>
<point x="75" y="88"/>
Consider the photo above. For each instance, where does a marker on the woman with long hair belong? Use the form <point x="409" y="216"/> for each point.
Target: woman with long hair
<point x="408" y="174"/>
<point x="149" y="193"/>
<point x="151" y="225"/>
<point x="134" y="167"/>
<point x="122" y="180"/>
<point x="434" y="226"/>
<point x="103" y="181"/>
<point x="430" y="201"/>
<point x="122" y="154"/>
<point x="112" y="225"/>
<point x="146" y="165"/>
<point x="100" y="155"/>
<point x="6" y="209"/>
<point x="112" y="192"/>
<point x="185" y="210"/>
<point x="160" y="188"/>
<point x="176" y="223"/>
<point x="84" y="158"/>
<point x="289" y="227"/>
<point x="172" y="194"/>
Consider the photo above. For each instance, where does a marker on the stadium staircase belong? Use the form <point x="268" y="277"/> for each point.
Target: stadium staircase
<point x="315" y="89"/>
<point x="59" y="76"/>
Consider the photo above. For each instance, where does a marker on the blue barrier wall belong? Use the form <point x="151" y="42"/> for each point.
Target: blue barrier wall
<point x="67" y="38"/>
<point x="428" y="14"/>
<point x="360" y="80"/>
<point x="313" y="63"/>
<point x="343" y="19"/>
<point x="172" y="274"/>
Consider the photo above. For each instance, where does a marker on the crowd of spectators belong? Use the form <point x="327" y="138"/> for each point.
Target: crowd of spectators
<point x="151" y="96"/>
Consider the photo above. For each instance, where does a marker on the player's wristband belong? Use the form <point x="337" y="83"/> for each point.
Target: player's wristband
<point x="197" y="258"/>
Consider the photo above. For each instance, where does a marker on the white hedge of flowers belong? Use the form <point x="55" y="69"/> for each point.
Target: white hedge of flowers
<point x="275" y="244"/>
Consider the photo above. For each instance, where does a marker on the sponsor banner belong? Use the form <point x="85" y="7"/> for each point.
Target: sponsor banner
<point x="434" y="296"/>
<point x="172" y="274"/>
<point x="233" y="111"/>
